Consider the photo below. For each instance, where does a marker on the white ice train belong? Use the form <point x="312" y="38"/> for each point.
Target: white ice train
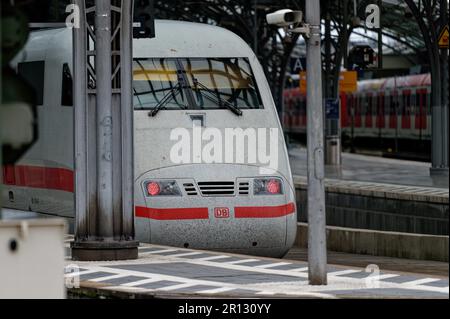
<point x="211" y="166"/>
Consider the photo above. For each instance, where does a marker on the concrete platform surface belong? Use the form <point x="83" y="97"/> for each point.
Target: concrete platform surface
<point x="372" y="169"/>
<point x="397" y="265"/>
<point x="167" y="272"/>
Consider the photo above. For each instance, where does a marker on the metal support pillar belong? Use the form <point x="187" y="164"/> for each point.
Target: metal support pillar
<point x="317" y="248"/>
<point x="445" y="91"/>
<point x="328" y="85"/>
<point x="103" y="101"/>
<point x="103" y="131"/>
<point x="1" y="143"/>
<point x="345" y="34"/>
<point x="439" y="156"/>
<point x="1" y="159"/>
<point x="380" y="40"/>
<point x="255" y="27"/>
<point x="332" y="125"/>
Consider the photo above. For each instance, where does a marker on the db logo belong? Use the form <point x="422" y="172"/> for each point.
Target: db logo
<point x="221" y="212"/>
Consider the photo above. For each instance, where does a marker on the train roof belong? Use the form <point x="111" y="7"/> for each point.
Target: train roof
<point x="398" y="82"/>
<point x="173" y="39"/>
<point x="178" y="38"/>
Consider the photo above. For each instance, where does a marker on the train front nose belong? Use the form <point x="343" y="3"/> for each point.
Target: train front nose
<point x="221" y="207"/>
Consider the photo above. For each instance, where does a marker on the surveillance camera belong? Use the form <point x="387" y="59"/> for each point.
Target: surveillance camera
<point x="285" y="17"/>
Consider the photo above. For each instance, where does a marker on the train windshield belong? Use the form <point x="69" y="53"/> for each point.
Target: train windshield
<point x="194" y="83"/>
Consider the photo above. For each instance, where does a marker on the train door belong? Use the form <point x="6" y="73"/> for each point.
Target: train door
<point x="344" y="106"/>
<point x="303" y="115"/>
<point x="368" y="112"/>
<point x="406" y="110"/>
<point x="393" y="105"/>
<point x="351" y="112"/>
<point x="358" y="105"/>
<point x="350" y="109"/>
<point x="427" y="107"/>
<point x="380" y="111"/>
<point x="380" y="114"/>
<point x="297" y="111"/>
<point x="420" y="118"/>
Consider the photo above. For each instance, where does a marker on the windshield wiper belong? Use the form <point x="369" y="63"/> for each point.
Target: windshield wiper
<point x="166" y="98"/>
<point x="223" y="102"/>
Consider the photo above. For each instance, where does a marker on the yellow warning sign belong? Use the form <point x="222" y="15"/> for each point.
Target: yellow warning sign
<point x="347" y="82"/>
<point x="443" y="38"/>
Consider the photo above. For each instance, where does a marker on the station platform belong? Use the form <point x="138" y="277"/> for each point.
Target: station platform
<point x="380" y="194"/>
<point x="365" y="168"/>
<point x="168" y="272"/>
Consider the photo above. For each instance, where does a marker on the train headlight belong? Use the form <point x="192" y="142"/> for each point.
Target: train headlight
<point x="162" y="188"/>
<point x="267" y="186"/>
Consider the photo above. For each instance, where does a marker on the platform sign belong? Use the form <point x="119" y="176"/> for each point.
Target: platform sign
<point x="348" y="82"/>
<point x="297" y="65"/>
<point x="443" y="38"/>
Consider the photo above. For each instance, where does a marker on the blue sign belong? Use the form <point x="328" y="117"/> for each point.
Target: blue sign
<point x="332" y="109"/>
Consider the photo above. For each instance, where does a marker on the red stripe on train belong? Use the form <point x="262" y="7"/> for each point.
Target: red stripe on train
<point x="202" y="212"/>
<point x="39" y="177"/>
<point x="264" y="211"/>
<point x="172" y="213"/>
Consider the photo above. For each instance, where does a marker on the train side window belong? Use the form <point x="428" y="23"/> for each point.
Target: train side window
<point x="66" y="87"/>
<point x="33" y="73"/>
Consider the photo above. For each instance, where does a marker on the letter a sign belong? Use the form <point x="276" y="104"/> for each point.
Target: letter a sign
<point x="443" y="38"/>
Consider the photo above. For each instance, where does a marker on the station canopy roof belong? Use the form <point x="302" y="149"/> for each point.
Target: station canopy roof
<point x="400" y="30"/>
<point x="401" y="33"/>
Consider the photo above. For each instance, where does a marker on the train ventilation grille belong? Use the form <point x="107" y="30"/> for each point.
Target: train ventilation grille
<point x="243" y="188"/>
<point x="216" y="188"/>
<point x="190" y="190"/>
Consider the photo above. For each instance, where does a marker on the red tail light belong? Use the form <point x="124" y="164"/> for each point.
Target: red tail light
<point x="153" y="188"/>
<point x="273" y="186"/>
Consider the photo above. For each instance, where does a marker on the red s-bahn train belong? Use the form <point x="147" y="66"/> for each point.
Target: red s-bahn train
<point x="395" y="108"/>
